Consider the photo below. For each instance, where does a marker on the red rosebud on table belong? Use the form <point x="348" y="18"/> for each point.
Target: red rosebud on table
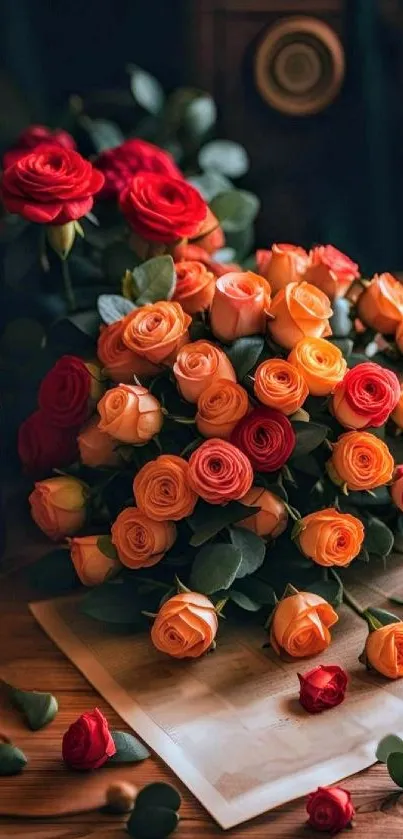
<point x="43" y="447"/>
<point x="330" y="809"/>
<point x="88" y="743"/>
<point x="322" y="687"/>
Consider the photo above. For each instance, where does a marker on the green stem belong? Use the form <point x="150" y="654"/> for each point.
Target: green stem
<point x="348" y="597"/>
<point x="68" y="286"/>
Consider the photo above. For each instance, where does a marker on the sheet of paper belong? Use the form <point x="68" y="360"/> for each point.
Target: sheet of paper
<point x="230" y="724"/>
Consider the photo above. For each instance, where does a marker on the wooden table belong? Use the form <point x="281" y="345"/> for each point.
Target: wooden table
<point x="28" y="658"/>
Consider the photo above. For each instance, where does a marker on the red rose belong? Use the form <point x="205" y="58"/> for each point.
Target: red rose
<point x="162" y="209"/>
<point x="322" y="687"/>
<point x="267" y="438"/>
<point x="34" y="136"/>
<point x="88" y="743"/>
<point x="331" y="270"/>
<point x="43" y="447"/>
<point x="69" y="391"/>
<point x="366" y="396"/>
<point x="330" y="809"/>
<point x="50" y="185"/>
<point x="121" y="163"/>
<point x="219" y="472"/>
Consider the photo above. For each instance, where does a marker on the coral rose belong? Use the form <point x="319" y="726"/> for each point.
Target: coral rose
<point x="34" y="136"/>
<point x="366" y="397"/>
<point x="240" y="305"/>
<point x="130" y="413"/>
<point x="321" y="364"/>
<point x="330" y="538"/>
<point x="330" y="809"/>
<point x="162" y="489"/>
<point x="119" y="164"/>
<point x="70" y="391"/>
<point x="397" y="413"/>
<point x="59" y="506"/>
<point x="195" y="286"/>
<point x="140" y="541"/>
<point x="185" y="626"/>
<point x="380" y="306"/>
<point x="399" y="337"/>
<point x="331" y="270"/>
<point x="88" y="743"/>
<point x="220" y="407"/>
<point x="360" y="461"/>
<point x="43" y="447"/>
<point x="219" y="472"/>
<point x="271" y="519"/>
<point x="384" y="650"/>
<point x="198" y="365"/>
<point x="281" y="265"/>
<point x="298" y="311"/>
<point x="121" y="364"/>
<point x="300" y="625"/>
<point x="280" y="385"/>
<point x="192" y="252"/>
<point x="96" y="447"/>
<point x="322" y="688"/>
<point x="396" y="489"/>
<point x="162" y="209"/>
<point x="92" y="566"/>
<point x="267" y="438"/>
<point x="157" y="331"/>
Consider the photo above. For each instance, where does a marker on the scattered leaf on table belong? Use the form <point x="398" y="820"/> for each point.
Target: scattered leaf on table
<point x="12" y="759"/>
<point x="128" y="748"/>
<point x="390" y="743"/>
<point x="159" y="794"/>
<point x="39" y="709"/>
<point x="152" y="822"/>
<point x="395" y="767"/>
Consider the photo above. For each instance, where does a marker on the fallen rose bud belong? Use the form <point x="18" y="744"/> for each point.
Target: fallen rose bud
<point x="88" y="743"/>
<point x="330" y="809"/>
<point x="322" y="687"/>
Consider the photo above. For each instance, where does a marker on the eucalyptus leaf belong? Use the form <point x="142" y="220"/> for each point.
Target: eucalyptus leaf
<point x="243" y="601"/>
<point x="341" y="323"/>
<point x="330" y="590"/>
<point x="114" y="603"/>
<point x="252" y="548"/>
<point x="309" y="435"/>
<point x="155" y="280"/>
<point x="113" y="307"/>
<point x="224" y="156"/>
<point x="146" y="90"/>
<point x="244" y="353"/>
<point x="378" y="537"/>
<point x="12" y="760"/>
<point x="257" y="590"/>
<point x="152" y="822"/>
<point x="389" y="744"/>
<point x="215" y="567"/>
<point x="104" y="133"/>
<point x="159" y="794"/>
<point x="210" y="184"/>
<point x="128" y="748"/>
<point x="54" y="573"/>
<point x="395" y="767"/>
<point x="208" y="519"/>
<point x="384" y="617"/>
<point x="105" y="545"/>
<point x="235" y="209"/>
<point x="38" y="709"/>
<point x="200" y="115"/>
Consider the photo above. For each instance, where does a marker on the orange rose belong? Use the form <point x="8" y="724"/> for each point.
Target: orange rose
<point x="331" y="270"/>
<point x="140" y="541"/>
<point x="195" y="286"/>
<point x="220" y="407"/>
<point x="384" y="650"/>
<point x="300" y="625"/>
<point x="59" y="506"/>
<point x="120" y="364"/>
<point x="321" y="364"/>
<point x="397" y="414"/>
<point x="157" y="331"/>
<point x="185" y="626"/>
<point x="210" y="235"/>
<point x="219" y="472"/>
<point x="96" y="447"/>
<point x="360" y="461"/>
<point x="92" y="566"/>
<point x="271" y="520"/>
<point x="280" y="385"/>
<point x="162" y="489"/>
<point x="330" y="538"/>
<point x="130" y="413"/>
<point x="282" y="265"/>
<point x="198" y="365"/>
<point x="399" y="337"/>
<point x="240" y="305"/>
<point x="298" y="311"/>
<point x="380" y="306"/>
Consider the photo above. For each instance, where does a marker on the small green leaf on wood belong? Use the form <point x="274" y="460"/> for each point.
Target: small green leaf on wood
<point x="396" y="599"/>
<point x="159" y="794"/>
<point x="12" y="760"/>
<point x="395" y="767"/>
<point x="389" y="744"/>
<point x="215" y="567"/>
<point x="381" y="615"/>
<point x="128" y="748"/>
<point x="252" y="548"/>
<point x="105" y="545"/>
<point x="257" y="590"/>
<point x="38" y="709"/>
<point x="243" y="601"/>
<point x="154" y="280"/>
<point x="152" y="822"/>
<point x="244" y="353"/>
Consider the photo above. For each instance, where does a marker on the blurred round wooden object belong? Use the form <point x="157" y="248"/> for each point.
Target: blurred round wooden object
<point x="299" y="66"/>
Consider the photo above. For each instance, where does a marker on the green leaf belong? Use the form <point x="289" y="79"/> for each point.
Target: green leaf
<point x="159" y="794"/>
<point x="215" y="567"/>
<point x="200" y="115"/>
<point x="210" y="184"/>
<point x="146" y="90"/>
<point x="243" y="601"/>
<point x="382" y="616"/>
<point x="309" y="435"/>
<point x="252" y="548"/>
<point x="341" y="322"/>
<point x="378" y="537"/>
<point x="377" y="496"/>
<point x="152" y="822"/>
<point x="104" y="133"/>
<point x="244" y="353"/>
<point x="155" y="280"/>
<point x="113" y="307"/>
<point x="396" y="599"/>
<point x="115" y="603"/>
<point x="395" y="767"/>
<point x="208" y="519"/>
<point x="224" y="156"/>
<point x="235" y="209"/>
<point x="257" y="590"/>
<point x="12" y="760"/>
<point x="308" y="464"/>
<point x="330" y="590"/>
<point x="54" y="573"/>
<point x="128" y="748"/>
<point x="389" y="744"/>
<point x="38" y="708"/>
<point x="344" y="344"/>
<point x="104" y="544"/>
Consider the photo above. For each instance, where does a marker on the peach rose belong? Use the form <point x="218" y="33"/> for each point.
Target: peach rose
<point x="157" y="331"/>
<point x="271" y="520"/>
<point x="96" y="447"/>
<point x="195" y="286"/>
<point x="360" y="461"/>
<point x="120" y="364"/>
<point x="281" y="265"/>
<point x="300" y="625"/>
<point x="162" y="489"/>
<point x="59" y="506"/>
<point x="280" y="385"/>
<point x="380" y="306"/>
<point x="396" y="489"/>
<point x="299" y="310"/>
<point x="331" y="270"/>
<point x="321" y="364"/>
<point x="240" y="305"/>
<point x="220" y="407"/>
<point x="384" y="650"/>
<point x="92" y="566"/>
<point x="140" y="541"/>
<point x="130" y="413"/>
<point x="219" y="472"/>
<point x="329" y="537"/>
<point x="198" y="365"/>
<point x="399" y="337"/>
<point x="185" y="626"/>
<point x="210" y="235"/>
<point x="397" y="414"/>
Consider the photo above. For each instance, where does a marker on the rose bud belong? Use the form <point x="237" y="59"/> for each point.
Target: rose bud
<point x="69" y="392"/>
<point x="281" y="265"/>
<point x="185" y="626"/>
<point x="321" y="364"/>
<point x="140" y="541"/>
<point x="384" y="650"/>
<point x="331" y="270"/>
<point x="195" y="286"/>
<point x="397" y="413"/>
<point x="240" y="306"/>
<point x="366" y="396"/>
<point x="360" y="461"/>
<point x="330" y="809"/>
<point x="267" y="438"/>
<point x="399" y="337"/>
<point x="121" y="364"/>
<point x="300" y="625"/>
<point x="199" y="365"/>
<point x="34" y="136"/>
<point x="88" y="743"/>
<point x="43" y="447"/>
<point x="329" y="537"/>
<point x="299" y="310"/>
<point x="210" y="235"/>
<point x="396" y="489"/>
<point x="271" y="519"/>
<point x="96" y="447"/>
<point x="59" y="506"/>
<point x="280" y="385"/>
<point x="162" y="209"/>
<point x="162" y="489"/>
<point x="380" y="306"/>
<point x="157" y="331"/>
<point x="130" y="413"/>
<point x="120" y="164"/>
<point x="322" y="688"/>
<point x="219" y="472"/>
<point x="61" y="237"/>
<point x="92" y="566"/>
<point x="220" y="407"/>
